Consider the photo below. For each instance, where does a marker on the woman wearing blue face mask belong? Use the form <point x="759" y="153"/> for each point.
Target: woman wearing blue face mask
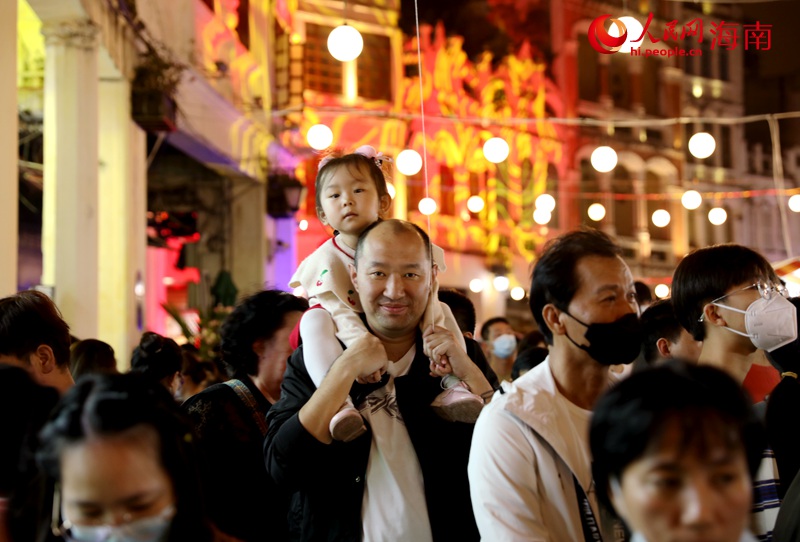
<point x="122" y="459"/>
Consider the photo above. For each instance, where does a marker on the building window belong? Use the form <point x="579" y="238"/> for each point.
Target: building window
<point x="619" y="79"/>
<point x="375" y="68"/>
<point x="323" y="73"/>
<point x="588" y="78"/>
<point x="726" y="145"/>
<point x="651" y="86"/>
<point x="623" y="208"/>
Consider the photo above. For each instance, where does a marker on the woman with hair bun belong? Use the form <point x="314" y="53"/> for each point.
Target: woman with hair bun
<point x="159" y="359"/>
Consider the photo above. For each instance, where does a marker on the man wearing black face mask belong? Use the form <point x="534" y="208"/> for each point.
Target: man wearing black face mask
<point x="530" y="468"/>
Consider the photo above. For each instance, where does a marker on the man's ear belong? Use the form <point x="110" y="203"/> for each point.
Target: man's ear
<point x="385" y="204"/>
<point x="662" y="345"/>
<point x="353" y="274"/>
<point x="712" y="316"/>
<point x="44" y="359"/>
<point x="552" y="317"/>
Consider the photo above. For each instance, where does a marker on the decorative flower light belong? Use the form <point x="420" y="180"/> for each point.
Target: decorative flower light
<point x="541" y="216"/>
<point x="345" y="43"/>
<point x="596" y="212"/>
<point x="545" y="202"/>
<point x="475" y="204"/>
<point x="691" y="199"/>
<point x="702" y="145"/>
<point x="391" y="189"/>
<point x="634" y="29"/>
<point x="303" y="225"/>
<point x="427" y="206"/>
<point x="604" y="159"/>
<point x="319" y="137"/>
<point x="409" y="162"/>
<point x="496" y="150"/>
<point x="660" y="218"/>
<point x="794" y="203"/>
<point x="661" y="291"/>
<point x="501" y="283"/>
<point x="476" y="285"/>
<point x="517" y="293"/>
<point x="717" y="216"/>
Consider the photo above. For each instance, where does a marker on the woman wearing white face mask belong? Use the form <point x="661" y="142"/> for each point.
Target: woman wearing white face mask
<point x="122" y="459"/>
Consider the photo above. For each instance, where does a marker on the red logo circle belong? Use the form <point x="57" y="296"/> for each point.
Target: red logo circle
<point x="603" y="42"/>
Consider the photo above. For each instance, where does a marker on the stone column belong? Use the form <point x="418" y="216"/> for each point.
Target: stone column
<point x="248" y="245"/>
<point x="640" y="222"/>
<point x="70" y="214"/>
<point x="9" y="220"/>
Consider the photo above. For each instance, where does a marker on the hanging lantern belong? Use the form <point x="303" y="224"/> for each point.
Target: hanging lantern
<point x="717" y="216"/>
<point x="702" y="145"/>
<point x="660" y="218"/>
<point x="345" y="43"/>
<point x="476" y="285"/>
<point x="596" y="212"/>
<point x="427" y="206"/>
<point x="475" y="204"/>
<point x="604" y="159"/>
<point x="496" y="150"/>
<point x="501" y="283"/>
<point x="634" y="29"/>
<point x="541" y="216"/>
<point x="691" y="199"/>
<point x="517" y="293"/>
<point x="409" y="162"/>
<point x="545" y="202"/>
<point x="794" y="203"/>
<point x="319" y="137"/>
<point x="661" y="291"/>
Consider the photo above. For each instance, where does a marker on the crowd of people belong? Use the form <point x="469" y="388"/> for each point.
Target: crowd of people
<point x="369" y="411"/>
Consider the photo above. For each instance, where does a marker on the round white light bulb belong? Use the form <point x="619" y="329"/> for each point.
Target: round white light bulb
<point x="476" y="285"/>
<point x="427" y="206"/>
<point x="345" y="43"/>
<point x="303" y="225"/>
<point x="634" y="29"/>
<point x="717" y="216"/>
<point x="604" y="159"/>
<point x="542" y="217"/>
<point x="794" y="203"/>
<point x="319" y="137"/>
<point x="409" y="162"/>
<point x="660" y="218"/>
<point x="702" y="145"/>
<point x="596" y="212"/>
<point x="517" y="293"/>
<point x="661" y="291"/>
<point x="496" y="150"/>
<point x="501" y="283"/>
<point x="691" y="199"/>
<point x="475" y="204"/>
<point x="391" y="189"/>
<point x="545" y="202"/>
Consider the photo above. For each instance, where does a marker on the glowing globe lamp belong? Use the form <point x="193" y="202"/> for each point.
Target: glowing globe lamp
<point x="794" y="203"/>
<point x="691" y="199"/>
<point x="660" y="218"/>
<point x="475" y="204"/>
<point x="496" y="150"/>
<point x="702" y="145"/>
<point x="542" y="217"/>
<point x="634" y="29"/>
<point x="596" y="212"/>
<point x="517" y="293"/>
<point x="476" y="285"/>
<point x="345" y="43"/>
<point x="546" y="202"/>
<point x="661" y="291"/>
<point x="604" y="159"/>
<point x="319" y="137"/>
<point x="501" y="283"/>
<point x="427" y="206"/>
<point x="303" y="225"/>
<point x="717" y="216"/>
<point x="409" y="162"/>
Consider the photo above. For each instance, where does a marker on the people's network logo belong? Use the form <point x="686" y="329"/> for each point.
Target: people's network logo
<point x="603" y="42"/>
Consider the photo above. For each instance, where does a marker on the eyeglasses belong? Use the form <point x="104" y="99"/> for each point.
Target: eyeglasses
<point x="765" y="289"/>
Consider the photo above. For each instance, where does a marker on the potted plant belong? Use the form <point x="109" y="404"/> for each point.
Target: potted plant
<point x="153" y="88"/>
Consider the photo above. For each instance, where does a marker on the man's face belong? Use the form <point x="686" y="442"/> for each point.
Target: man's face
<point x="499" y="328"/>
<point x="393" y="280"/>
<point x="605" y="294"/>
<point x="740" y="296"/>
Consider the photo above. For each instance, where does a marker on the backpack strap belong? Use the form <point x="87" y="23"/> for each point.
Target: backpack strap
<point x="246" y="396"/>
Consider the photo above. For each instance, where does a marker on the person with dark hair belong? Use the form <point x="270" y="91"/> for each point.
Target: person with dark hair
<point x="229" y="417"/>
<point x="123" y="460"/>
<point x="664" y="338"/>
<point x="35" y="337"/>
<point x="644" y="297"/>
<point x="532" y="339"/>
<point x="462" y="308"/>
<point x="24" y="408"/>
<point x="196" y="375"/>
<point x="674" y="452"/>
<point x="405" y="477"/>
<point x="159" y="359"/>
<point x="729" y="297"/>
<point x="500" y="345"/>
<point x="529" y="468"/>
<point x="91" y="356"/>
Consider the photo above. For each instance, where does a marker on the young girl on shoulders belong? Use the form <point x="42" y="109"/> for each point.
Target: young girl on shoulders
<point x="351" y="194"/>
